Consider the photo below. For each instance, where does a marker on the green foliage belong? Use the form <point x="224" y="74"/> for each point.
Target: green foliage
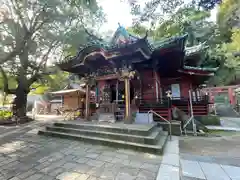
<point x="149" y="11"/>
<point x="34" y="32"/>
<point x="5" y="99"/>
<point x="187" y="20"/>
<point x="228" y="17"/>
<point x="156" y="10"/>
<point x="232" y="47"/>
<point x="40" y="89"/>
<point x="230" y="64"/>
<point x="53" y="82"/>
<point x="137" y="30"/>
<point x="5" y="114"/>
<point x="57" y="81"/>
<point x="12" y="83"/>
<point x="222" y="38"/>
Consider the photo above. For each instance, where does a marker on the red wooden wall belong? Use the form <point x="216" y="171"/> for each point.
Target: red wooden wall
<point x="148" y="85"/>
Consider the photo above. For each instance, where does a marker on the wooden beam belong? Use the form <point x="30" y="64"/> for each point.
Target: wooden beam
<point x="107" y="77"/>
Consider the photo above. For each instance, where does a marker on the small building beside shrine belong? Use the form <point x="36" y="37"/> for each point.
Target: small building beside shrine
<point x="132" y="74"/>
<point x="69" y="99"/>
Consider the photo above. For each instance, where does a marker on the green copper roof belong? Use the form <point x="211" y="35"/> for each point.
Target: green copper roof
<point x="195" y="49"/>
<point x="152" y="45"/>
<point x="165" y="42"/>
<point x="123" y="39"/>
<point x="130" y="39"/>
<point x="200" y="68"/>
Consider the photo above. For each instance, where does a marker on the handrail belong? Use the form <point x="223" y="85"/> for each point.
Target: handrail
<point x="191" y="119"/>
<point x="169" y="123"/>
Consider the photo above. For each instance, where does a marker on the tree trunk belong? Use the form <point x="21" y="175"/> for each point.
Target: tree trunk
<point x="20" y="103"/>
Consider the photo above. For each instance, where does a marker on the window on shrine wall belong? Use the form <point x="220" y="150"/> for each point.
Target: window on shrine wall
<point x="176" y="93"/>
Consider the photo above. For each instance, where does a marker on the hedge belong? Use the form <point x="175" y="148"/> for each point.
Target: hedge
<point x="4" y="114"/>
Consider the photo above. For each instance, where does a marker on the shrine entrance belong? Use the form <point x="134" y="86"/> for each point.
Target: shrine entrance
<point x="120" y="92"/>
<point x="117" y="91"/>
<point x="113" y="99"/>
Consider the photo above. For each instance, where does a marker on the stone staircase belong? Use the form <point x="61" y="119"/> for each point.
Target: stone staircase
<point x="146" y="138"/>
<point x="106" y="117"/>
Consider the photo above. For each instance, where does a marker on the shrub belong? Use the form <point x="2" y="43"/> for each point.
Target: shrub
<point x="209" y="120"/>
<point x="4" y="114"/>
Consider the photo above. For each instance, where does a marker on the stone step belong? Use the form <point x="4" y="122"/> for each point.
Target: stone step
<point x="151" y="139"/>
<point x="114" y="128"/>
<point x="156" y="149"/>
<point x="176" y="127"/>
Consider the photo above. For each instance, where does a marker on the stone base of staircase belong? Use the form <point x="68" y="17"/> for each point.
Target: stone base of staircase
<point x="106" y="117"/>
<point x="176" y="127"/>
<point x="146" y="138"/>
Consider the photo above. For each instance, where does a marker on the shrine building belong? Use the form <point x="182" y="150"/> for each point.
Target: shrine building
<point x="133" y="74"/>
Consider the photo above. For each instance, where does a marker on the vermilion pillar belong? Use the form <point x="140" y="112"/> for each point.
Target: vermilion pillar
<point x="127" y="100"/>
<point x="231" y="95"/>
<point x="100" y="85"/>
<point x="87" y="101"/>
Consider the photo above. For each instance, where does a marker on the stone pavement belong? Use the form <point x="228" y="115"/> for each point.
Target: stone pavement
<point x="25" y="155"/>
<point x="197" y="170"/>
<point x="169" y="168"/>
<point x="227" y="124"/>
<point x="230" y="122"/>
<point x="206" y="158"/>
<point x="223" y="128"/>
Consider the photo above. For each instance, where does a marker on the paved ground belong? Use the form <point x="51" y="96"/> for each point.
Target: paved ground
<point x="230" y="122"/>
<point x="210" y="158"/>
<point x="170" y="166"/>
<point x="200" y="170"/>
<point x="226" y="146"/>
<point x="25" y="155"/>
<point x="223" y="128"/>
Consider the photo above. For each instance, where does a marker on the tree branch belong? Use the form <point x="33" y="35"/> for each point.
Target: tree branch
<point x="36" y="74"/>
<point x="89" y="33"/>
<point x="92" y="35"/>
<point x="18" y="49"/>
<point x="35" y="25"/>
<point x="17" y="10"/>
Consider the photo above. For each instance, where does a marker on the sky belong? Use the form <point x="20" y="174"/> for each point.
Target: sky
<point x="118" y="11"/>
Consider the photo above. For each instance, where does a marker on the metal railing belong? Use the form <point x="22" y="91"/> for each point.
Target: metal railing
<point x="185" y="125"/>
<point x="168" y="122"/>
<point x="191" y="119"/>
<point x="174" y="100"/>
